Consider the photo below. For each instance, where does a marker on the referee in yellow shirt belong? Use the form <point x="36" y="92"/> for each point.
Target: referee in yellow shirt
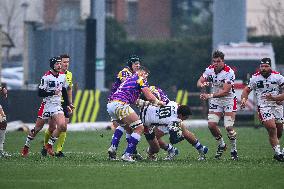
<point x="65" y="60"/>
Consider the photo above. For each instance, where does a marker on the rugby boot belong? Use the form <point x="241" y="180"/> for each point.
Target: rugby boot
<point x="25" y="151"/>
<point x="43" y="151"/>
<point x="202" y="153"/>
<point x="59" y="154"/>
<point x="4" y="154"/>
<point x="49" y="149"/>
<point x="279" y="157"/>
<point x="234" y="155"/>
<point x="127" y="158"/>
<point x="171" y="154"/>
<point x="112" y="154"/>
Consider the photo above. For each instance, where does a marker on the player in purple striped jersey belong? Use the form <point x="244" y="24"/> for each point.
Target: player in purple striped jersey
<point x="133" y="64"/>
<point x="119" y="107"/>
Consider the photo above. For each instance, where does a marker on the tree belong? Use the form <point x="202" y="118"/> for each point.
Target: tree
<point x="9" y="13"/>
<point x="273" y="21"/>
<point x="191" y="18"/>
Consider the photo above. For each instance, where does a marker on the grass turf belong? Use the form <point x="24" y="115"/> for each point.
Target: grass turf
<point x="86" y="164"/>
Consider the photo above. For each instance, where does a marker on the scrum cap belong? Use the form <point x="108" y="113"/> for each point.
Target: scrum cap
<point x="53" y="61"/>
<point x="131" y="60"/>
<point x="265" y="61"/>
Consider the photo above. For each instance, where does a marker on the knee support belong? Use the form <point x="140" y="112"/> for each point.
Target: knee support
<point x="213" y="118"/>
<point x="228" y="121"/>
<point x="232" y="135"/>
<point x="2" y="118"/>
<point x="3" y="122"/>
<point x="135" y="124"/>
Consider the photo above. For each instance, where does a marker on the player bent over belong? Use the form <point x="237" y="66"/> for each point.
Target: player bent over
<point x="267" y="85"/>
<point x="119" y="107"/>
<point x="168" y="118"/>
<point x="52" y="87"/>
<point x="222" y="101"/>
<point x="133" y="64"/>
<point x="160" y="131"/>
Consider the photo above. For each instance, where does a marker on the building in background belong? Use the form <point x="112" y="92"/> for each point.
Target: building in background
<point x="265" y="17"/>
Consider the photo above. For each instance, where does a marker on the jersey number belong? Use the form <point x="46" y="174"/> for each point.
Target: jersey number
<point x="164" y="112"/>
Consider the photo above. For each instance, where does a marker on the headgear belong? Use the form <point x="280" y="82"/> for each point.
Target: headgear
<point x="265" y="61"/>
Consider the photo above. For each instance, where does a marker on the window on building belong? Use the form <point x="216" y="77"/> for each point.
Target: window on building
<point x="110" y="8"/>
<point x="132" y="11"/>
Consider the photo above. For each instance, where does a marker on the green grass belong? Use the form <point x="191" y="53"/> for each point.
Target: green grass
<point x="86" y="165"/>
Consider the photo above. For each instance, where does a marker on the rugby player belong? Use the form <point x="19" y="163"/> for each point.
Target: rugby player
<point x="222" y="101"/>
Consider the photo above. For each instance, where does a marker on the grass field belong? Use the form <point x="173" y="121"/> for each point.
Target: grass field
<point x="86" y="165"/>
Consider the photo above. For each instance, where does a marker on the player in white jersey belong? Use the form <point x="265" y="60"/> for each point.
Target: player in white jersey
<point x="222" y="101"/>
<point x="268" y="86"/>
<point x="159" y="121"/>
<point x="52" y="87"/>
<point x="3" y="124"/>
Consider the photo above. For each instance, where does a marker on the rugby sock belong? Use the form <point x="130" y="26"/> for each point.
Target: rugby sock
<point x="234" y="145"/>
<point x="47" y="135"/>
<point x="117" y="136"/>
<point x="52" y="140"/>
<point x="61" y="141"/>
<point x="277" y="149"/>
<point x="28" y="140"/>
<point x="198" y="146"/>
<point x="2" y="138"/>
<point x="133" y="141"/>
<point x="127" y="137"/>
<point x="220" y="141"/>
<point x="168" y="147"/>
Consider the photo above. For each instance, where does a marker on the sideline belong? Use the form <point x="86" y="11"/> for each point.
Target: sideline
<point x="91" y="126"/>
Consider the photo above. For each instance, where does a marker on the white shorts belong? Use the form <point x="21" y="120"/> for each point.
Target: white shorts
<point x="48" y="110"/>
<point x="218" y="105"/>
<point x="164" y="129"/>
<point x="273" y="112"/>
<point x="118" y="110"/>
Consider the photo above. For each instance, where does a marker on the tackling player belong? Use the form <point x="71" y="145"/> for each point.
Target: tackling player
<point x="267" y="85"/>
<point x="133" y="64"/>
<point x="119" y="107"/>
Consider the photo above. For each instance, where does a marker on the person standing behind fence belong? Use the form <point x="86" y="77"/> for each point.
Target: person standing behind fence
<point x="3" y="125"/>
<point x="267" y="85"/>
<point x="65" y="60"/>
<point x="222" y="101"/>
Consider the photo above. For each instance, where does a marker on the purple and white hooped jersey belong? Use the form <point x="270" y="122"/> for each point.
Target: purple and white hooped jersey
<point x="263" y="86"/>
<point x="129" y="90"/>
<point x="227" y="75"/>
<point x="49" y="83"/>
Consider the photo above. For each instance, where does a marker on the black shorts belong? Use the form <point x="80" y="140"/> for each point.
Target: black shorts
<point x="66" y="113"/>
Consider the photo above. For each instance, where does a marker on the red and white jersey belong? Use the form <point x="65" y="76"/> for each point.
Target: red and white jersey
<point x="227" y="75"/>
<point x="50" y="82"/>
<point x="263" y="86"/>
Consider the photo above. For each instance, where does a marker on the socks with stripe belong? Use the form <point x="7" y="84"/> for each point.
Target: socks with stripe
<point x="133" y="141"/>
